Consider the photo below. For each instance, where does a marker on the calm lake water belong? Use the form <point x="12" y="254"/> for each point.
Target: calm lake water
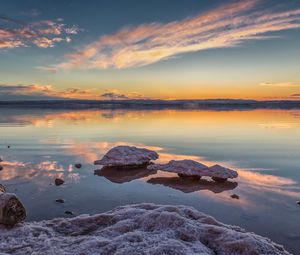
<point x="263" y="145"/>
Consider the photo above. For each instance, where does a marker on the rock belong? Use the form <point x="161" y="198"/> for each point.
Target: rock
<point x="136" y="229"/>
<point x="193" y="169"/>
<point x="1" y="160"/>
<point x="2" y="188"/>
<point x="69" y="213"/>
<point x="78" y="165"/>
<point x="221" y="174"/>
<point x="12" y="210"/>
<point x="60" y="200"/>
<point x="1" y="168"/>
<point x="235" y="196"/>
<point x="59" y="181"/>
<point x="298" y="202"/>
<point x="127" y="156"/>
<point x="8" y="146"/>
<point x="184" y="168"/>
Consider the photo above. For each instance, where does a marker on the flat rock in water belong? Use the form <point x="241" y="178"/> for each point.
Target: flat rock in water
<point x="185" y="167"/>
<point x="127" y="156"/>
<point x="136" y="229"/>
<point x="189" y="167"/>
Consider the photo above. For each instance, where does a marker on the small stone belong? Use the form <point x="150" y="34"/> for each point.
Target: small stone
<point x="2" y="188"/>
<point x="235" y="196"/>
<point x="298" y="202"/>
<point x="1" y="168"/>
<point x="8" y="146"/>
<point x="78" y="165"/>
<point x="69" y="213"/>
<point x="60" y="200"/>
<point x="59" y="181"/>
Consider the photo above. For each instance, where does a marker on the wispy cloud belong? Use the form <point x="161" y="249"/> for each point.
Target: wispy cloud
<point x="225" y="26"/>
<point x="37" y="91"/>
<point x="44" y="33"/>
<point x="295" y="95"/>
<point x="280" y="84"/>
<point x="114" y="94"/>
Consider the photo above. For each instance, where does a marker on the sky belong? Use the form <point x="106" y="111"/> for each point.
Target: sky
<point x="171" y="49"/>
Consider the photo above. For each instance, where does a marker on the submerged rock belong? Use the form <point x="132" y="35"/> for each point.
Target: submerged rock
<point x="59" y="181"/>
<point x="136" y="229"/>
<point x="127" y="156"/>
<point x="12" y="210"/>
<point x="193" y="169"/>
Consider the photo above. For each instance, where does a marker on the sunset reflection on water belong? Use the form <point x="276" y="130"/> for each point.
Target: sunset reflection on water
<point x="261" y="145"/>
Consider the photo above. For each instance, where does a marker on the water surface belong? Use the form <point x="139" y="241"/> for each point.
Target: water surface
<point x="263" y="145"/>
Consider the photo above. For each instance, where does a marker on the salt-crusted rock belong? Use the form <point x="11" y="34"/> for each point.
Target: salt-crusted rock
<point x="12" y="210"/>
<point x="127" y="156"/>
<point x="114" y="174"/>
<point x="194" y="169"/>
<point x="184" y="168"/>
<point x="135" y="229"/>
<point x="220" y="173"/>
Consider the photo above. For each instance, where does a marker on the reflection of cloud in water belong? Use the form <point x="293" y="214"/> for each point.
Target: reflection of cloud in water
<point x="50" y="118"/>
<point x="117" y="175"/>
<point x="188" y="186"/>
<point x="39" y="173"/>
<point x="276" y="125"/>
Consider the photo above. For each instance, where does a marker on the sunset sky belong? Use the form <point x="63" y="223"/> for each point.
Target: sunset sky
<point x="171" y="49"/>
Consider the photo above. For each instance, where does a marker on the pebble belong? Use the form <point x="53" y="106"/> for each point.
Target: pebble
<point x="78" y="165"/>
<point x="235" y="196"/>
<point x="59" y="181"/>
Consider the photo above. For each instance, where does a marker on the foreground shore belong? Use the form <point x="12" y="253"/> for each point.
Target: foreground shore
<point x="135" y="229"/>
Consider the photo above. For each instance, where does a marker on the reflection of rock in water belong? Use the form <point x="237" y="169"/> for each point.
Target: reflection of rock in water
<point x="121" y="174"/>
<point x="190" y="185"/>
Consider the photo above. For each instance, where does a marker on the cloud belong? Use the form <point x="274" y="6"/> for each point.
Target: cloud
<point x="295" y="95"/>
<point x="113" y="94"/>
<point x="226" y="26"/>
<point x="280" y="84"/>
<point x="44" y="33"/>
<point x="36" y="91"/>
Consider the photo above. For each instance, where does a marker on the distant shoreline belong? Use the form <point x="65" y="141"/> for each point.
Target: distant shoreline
<point x="225" y="104"/>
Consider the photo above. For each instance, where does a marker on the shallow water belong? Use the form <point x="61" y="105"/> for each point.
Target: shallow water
<point x="263" y="145"/>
